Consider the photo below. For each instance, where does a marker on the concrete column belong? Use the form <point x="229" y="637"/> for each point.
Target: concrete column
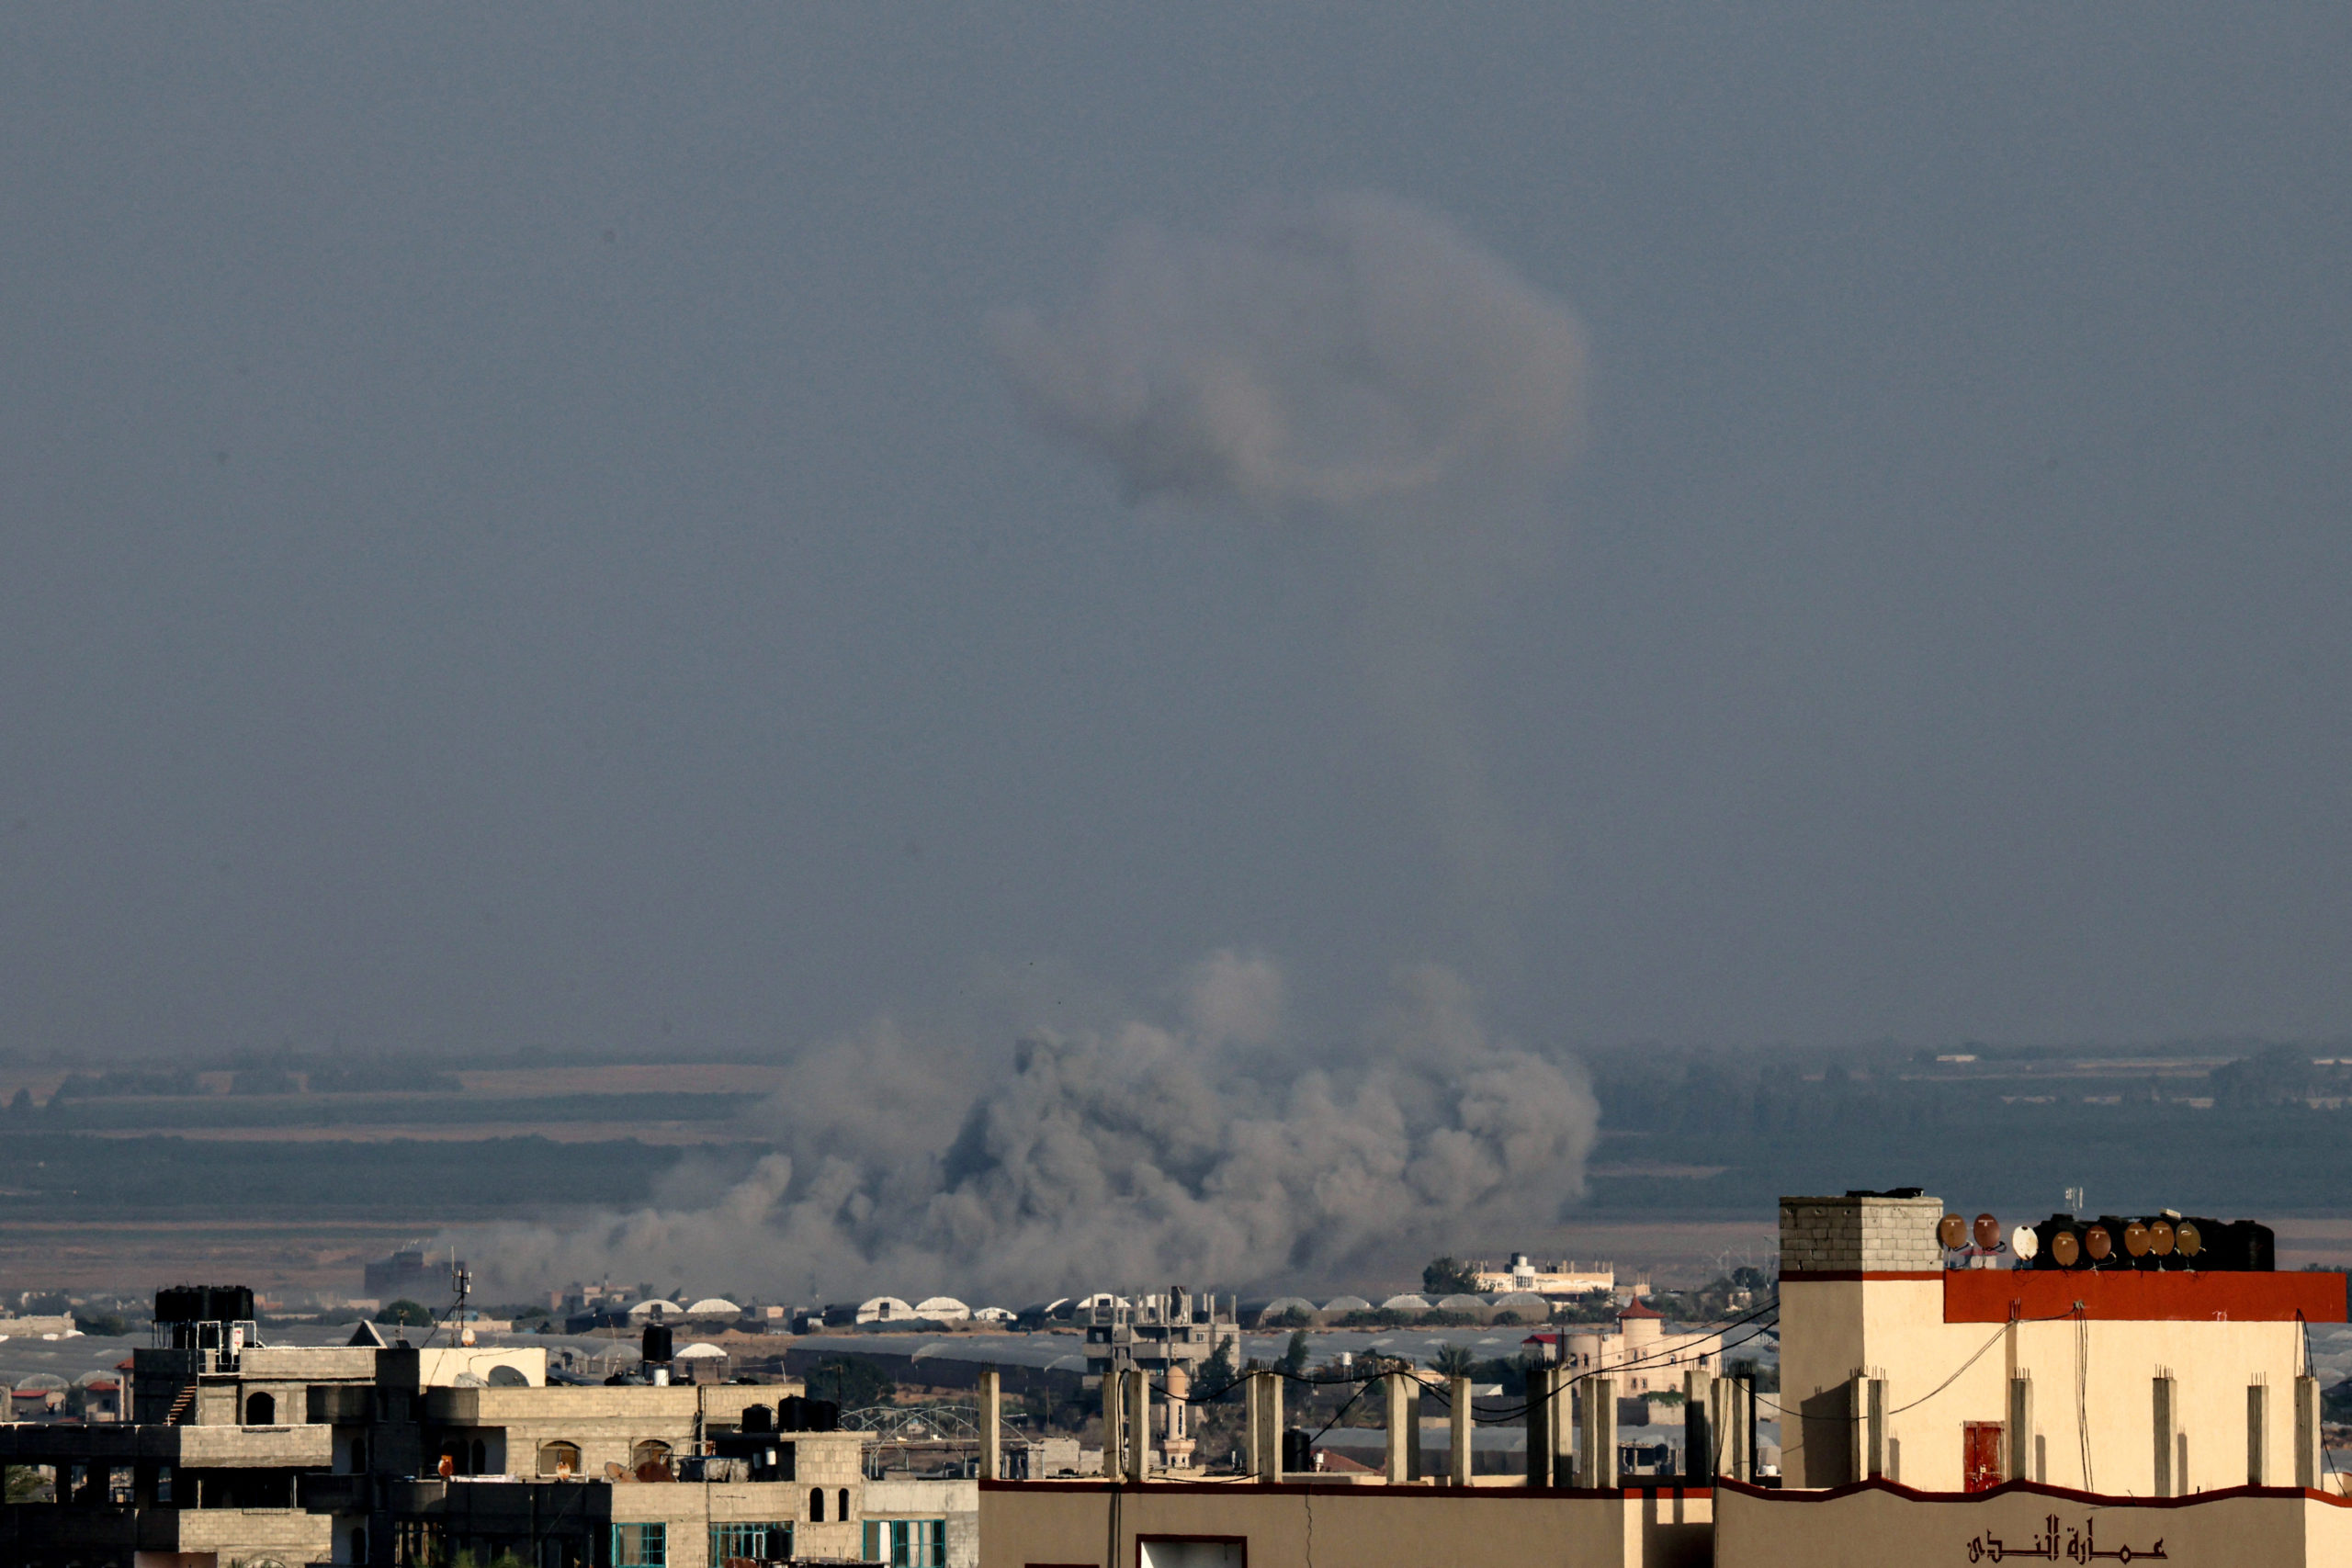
<point x="1563" y="1426"/>
<point x="1137" y="1410"/>
<point x="1873" y="1424"/>
<point x="1402" y="1437"/>
<point x="1266" y="1449"/>
<point x="2257" y="1414"/>
<point x="1600" y="1396"/>
<point x="1458" y="1416"/>
<point x="992" y="1417"/>
<point x="1114" y="1422"/>
<point x="1739" y="1428"/>
<point x="2019" y="1438"/>
<point x="2307" y="1433"/>
<point x="1542" y="1379"/>
<point x="1698" y="1428"/>
<point x="2166" y="1484"/>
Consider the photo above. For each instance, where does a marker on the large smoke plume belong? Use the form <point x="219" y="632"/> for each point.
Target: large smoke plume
<point x="1355" y="372"/>
<point x="1356" y="368"/>
<point x="1203" y="1149"/>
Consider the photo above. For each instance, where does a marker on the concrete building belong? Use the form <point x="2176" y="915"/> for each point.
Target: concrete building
<point x="241" y="1451"/>
<point x="922" y="1523"/>
<point x="1173" y="1328"/>
<point x="1519" y="1272"/>
<point x="2131" y="1395"/>
<point x="1642" y="1357"/>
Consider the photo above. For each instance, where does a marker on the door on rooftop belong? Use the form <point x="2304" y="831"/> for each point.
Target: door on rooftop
<point x="1980" y="1455"/>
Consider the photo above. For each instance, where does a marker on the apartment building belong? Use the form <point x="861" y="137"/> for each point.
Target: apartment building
<point x="246" y="1452"/>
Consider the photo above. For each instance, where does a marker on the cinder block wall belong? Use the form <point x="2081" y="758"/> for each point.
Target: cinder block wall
<point x="1845" y="1236"/>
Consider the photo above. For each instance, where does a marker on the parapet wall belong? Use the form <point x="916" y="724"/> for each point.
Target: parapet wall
<point x="1860" y="1236"/>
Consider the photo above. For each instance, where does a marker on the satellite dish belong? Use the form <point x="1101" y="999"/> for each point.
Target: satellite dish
<point x="2024" y="1243"/>
<point x="1952" y="1231"/>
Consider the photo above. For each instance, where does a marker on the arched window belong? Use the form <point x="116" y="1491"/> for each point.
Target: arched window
<point x="650" y="1459"/>
<point x="360" y="1544"/>
<point x="359" y="1457"/>
<point x="816" y="1504"/>
<point x="842" y="1513"/>
<point x="481" y="1457"/>
<point x="261" y="1410"/>
<point x="560" y="1461"/>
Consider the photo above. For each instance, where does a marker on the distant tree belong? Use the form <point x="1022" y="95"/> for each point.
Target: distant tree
<point x="1449" y="1276"/>
<point x="21" y="1106"/>
<point x="1454" y="1361"/>
<point x="110" y="1325"/>
<point x="1294" y="1361"/>
<point x="406" y="1314"/>
<point x="1216" y="1373"/>
<point x="852" y="1382"/>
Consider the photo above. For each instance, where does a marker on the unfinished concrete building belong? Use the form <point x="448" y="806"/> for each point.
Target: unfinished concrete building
<point x="241" y="1451"/>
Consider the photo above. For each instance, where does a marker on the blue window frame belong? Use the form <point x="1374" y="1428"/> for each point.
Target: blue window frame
<point x="640" y="1546"/>
<point x="751" y="1542"/>
<point x="906" y="1543"/>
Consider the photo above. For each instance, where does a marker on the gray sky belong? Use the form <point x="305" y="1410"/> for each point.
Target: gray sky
<point x="512" y="532"/>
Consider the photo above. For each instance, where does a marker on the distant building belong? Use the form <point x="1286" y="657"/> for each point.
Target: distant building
<point x="1520" y="1272"/>
<point x="1641" y="1355"/>
<point x="412" y="1273"/>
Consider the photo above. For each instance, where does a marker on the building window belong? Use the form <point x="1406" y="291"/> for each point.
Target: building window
<point x="560" y="1461"/>
<point x="119" y="1486"/>
<point x="843" y="1512"/>
<point x="816" y="1504"/>
<point x="261" y="1410"/>
<point x="906" y="1543"/>
<point x="162" y="1483"/>
<point x="750" y="1543"/>
<point x="650" y="1459"/>
<point x="480" y="1455"/>
<point x="640" y="1546"/>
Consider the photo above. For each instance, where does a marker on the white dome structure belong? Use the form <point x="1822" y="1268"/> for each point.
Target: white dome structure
<point x="714" y="1306"/>
<point x="1282" y="1306"/>
<point x="1462" y="1303"/>
<point x="995" y="1314"/>
<point x="1405" y="1302"/>
<point x="884" y="1309"/>
<point x="1347" y="1303"/>
<point x="943" y="1309"/>
<point x="1524" y="1301"/>
<point x="656" y="1309"/>
<point x="701" y="1350"/>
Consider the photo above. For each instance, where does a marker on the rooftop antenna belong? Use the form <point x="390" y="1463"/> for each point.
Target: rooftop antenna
<point x="2074" y="1203"/>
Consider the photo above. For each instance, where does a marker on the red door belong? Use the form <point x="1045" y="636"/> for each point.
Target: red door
<point x="1980" y="1455"/>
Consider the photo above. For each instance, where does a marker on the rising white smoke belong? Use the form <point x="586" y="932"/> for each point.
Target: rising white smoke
<point x="1206" y="1151"/>
<point x="1357" y="366"/>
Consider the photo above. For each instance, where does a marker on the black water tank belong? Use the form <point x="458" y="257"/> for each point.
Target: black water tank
<point x="792" y="1414"/>
<point x="1298" y="1453"/>
<point x="204" y="1303"/>
<point x="757" y="1418"/>
<point x="656" y="1344"/>
<point x="824" y="1416"/>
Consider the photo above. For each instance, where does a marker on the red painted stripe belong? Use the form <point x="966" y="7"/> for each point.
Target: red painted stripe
<point x="1995" y="1295"/>
<point x="1846" y="1276"/>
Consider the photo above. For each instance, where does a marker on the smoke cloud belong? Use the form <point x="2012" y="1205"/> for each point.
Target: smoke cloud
<point x="1329" y="356"/>
<point x="1210" y="1151"/>
<point x="1356" y="365"/>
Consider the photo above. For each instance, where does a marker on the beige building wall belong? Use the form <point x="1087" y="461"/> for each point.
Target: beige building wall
<point x="1876" y="1525"/>
<point x="1070" y="1523"/>
<point x="605" y="1423"/>
<point x="2093" y="1390"/>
